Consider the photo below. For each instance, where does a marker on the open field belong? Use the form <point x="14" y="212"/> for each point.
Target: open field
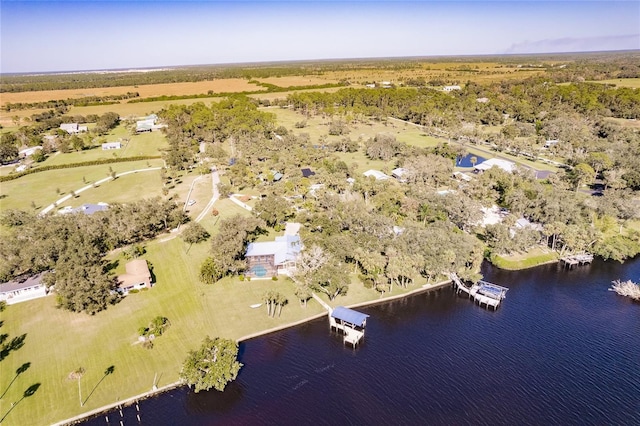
<point x="41" y="187"/>
<point x="272" y="96"/>
<point x="145" y="91"/>
<point x="622" y="82"/>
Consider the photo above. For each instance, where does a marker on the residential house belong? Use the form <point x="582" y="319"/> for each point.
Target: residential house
<point x="29" y="151"/>
<point x="507" y="166"/>
<point x="272" y="258"/>
<point x="399" y="174"/>
<point x="376" y="174"/>
<point x="90" y="209"/>
<point x="73" y="128"/>
<point x="111" y="145"/>
<point x="550" y="143"/>
<point x="137" y="276"/>
<point x="451" y="88"/>
<point x="23" y="289"/>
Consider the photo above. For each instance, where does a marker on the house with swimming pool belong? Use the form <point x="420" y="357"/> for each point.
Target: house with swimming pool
<point x="271" y="258"/>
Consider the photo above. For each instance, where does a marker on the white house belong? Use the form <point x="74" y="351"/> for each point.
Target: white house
<point x="451" y="88"/>
<point x="551" y="142"/>
<point x="72" y="128"/>
<point x="111" y="145"/>
<point x="29" y="151"/>
<point x="507" y="166"/>
<point x="376" y="174"/>
<point x="23" y="289"/>
<point x="399" y="174"/>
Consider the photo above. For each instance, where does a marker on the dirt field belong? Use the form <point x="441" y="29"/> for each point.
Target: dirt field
<point x="145" y="91"/>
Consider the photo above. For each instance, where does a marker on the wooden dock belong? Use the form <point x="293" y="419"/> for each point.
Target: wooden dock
<point x="483" y="292"/>
<point x="576" y="260"/>
<point x="351" y="323"/>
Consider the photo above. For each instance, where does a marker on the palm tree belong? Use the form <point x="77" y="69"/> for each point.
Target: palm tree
<point x="77" y="375"/>
<point x="474" y="160"/>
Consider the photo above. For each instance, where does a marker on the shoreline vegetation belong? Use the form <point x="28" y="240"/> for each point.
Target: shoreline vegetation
<point x="154" y="392"/>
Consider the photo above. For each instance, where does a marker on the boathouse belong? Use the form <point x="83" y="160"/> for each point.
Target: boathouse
<point x="351" y="323"/>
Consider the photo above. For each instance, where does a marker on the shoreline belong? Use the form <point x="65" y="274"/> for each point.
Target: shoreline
<point x="125" y="402"/>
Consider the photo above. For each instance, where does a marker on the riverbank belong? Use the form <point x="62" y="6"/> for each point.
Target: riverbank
<point x="154" y="392"/>
<point x="531" y="259"/>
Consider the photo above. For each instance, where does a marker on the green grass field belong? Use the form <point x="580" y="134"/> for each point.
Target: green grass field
<point x="622" y="82"/>
<point x="40" y="188"/>
<point x="533" y="257"/>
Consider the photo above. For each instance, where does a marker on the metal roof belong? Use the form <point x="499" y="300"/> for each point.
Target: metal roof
<point x="349" y="315"/>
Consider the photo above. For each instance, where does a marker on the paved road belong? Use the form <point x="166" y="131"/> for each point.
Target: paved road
<point x="215" y="180"/>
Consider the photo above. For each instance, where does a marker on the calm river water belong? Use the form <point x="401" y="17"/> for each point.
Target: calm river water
<point x="560" y="350"/>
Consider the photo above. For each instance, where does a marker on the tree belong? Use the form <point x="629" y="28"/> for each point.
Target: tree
<point x="273" y="210"/>
<point x="210" y="271"/>
<point x="194" y="233"/>
<point x="8" y="147"/>
<point x="581" y="174"/>
<point x="77" y="375"/>
<point x="213" y="365"/>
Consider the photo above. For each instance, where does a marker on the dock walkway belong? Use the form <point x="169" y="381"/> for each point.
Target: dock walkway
<point x="576" y="260"/>
<point x="483" y="292"/>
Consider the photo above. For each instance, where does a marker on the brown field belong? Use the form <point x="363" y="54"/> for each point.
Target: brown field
<point x="449" y="72"/>
<point x="283" y="95"/>
<point x="145" y="91"/>
<point x="297" y="80"/>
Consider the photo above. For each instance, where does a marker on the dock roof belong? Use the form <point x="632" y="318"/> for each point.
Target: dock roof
<point x="349" y="315"/>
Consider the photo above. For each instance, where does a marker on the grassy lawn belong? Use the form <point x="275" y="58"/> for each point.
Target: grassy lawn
<point x="41" y="187"/>
<point x="534" y="257"/>
<point x="622" y="82"/>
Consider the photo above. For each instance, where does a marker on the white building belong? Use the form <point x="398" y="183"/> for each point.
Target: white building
<point x="73" y="128"/>
<point x="376" y="174"/>
<point x="451" y="88"/>
<point x="111" y="145"/>
<point x="29" y="151"/>
<point x="507" y="166"/>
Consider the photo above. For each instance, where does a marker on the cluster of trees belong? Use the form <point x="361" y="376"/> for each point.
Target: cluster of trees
<point x="236" y="119"/>
<point x="73" y="248"/>
<point x="213" y="365"/>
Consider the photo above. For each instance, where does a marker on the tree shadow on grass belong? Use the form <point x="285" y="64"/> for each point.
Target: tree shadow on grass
<point x="29" y="392"/>
<point x="111" y="266"/>
<point x="24" y="367"/>
<point x="109" y="371"/>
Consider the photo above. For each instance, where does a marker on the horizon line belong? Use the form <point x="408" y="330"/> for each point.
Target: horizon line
<point x="157" y="68"/>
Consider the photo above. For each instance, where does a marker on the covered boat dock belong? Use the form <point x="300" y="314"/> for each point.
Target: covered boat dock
<point x="351" y="323"/>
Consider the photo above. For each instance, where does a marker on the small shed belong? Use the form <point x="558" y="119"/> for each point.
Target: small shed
<point x="111" y="145"/>
<point x="351" y="323"/>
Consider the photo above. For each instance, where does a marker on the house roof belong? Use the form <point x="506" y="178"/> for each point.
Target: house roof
<point x="137" y="271"/>
<point x="349" y="315"/>
<point x="21" y="283"/>
<point x="399" y="172"/>
<point x="91" y="208"/>
<point x="307" y="172"/>
<point x="507" y="166"/>
<point x="117" y="144"/>
<point x="285" y="248"/>
<point x="377" y="174"/>
<point x="142" y="126"/>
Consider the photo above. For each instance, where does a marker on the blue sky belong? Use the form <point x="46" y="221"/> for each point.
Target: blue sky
<point x="40" y="36"/>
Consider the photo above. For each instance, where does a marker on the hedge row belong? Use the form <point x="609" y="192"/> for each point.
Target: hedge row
<point x="81" y="164"/>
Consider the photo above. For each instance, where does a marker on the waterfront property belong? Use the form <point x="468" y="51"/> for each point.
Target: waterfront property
<point x="272" y="258"/>
<point x="23" y="289"/>
<point x="137" y="276"/>
<point x="351" y="323"/>
<point x="483" y="292"/>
